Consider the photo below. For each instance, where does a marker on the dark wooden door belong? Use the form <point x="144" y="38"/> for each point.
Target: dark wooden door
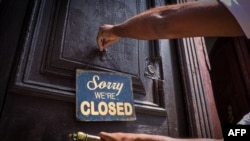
<point x="45" y="41"/>
<point x="59" y="37"/>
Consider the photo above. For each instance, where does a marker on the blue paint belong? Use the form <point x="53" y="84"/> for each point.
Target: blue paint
<point x="102" y="96"/>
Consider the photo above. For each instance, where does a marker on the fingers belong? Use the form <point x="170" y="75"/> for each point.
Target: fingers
<point x="106" y="37"/>
<point x="106" y="136"/>
<point x="106" y="42"/>
<point x="100" y="39"/>
<point x="100" y="43"/>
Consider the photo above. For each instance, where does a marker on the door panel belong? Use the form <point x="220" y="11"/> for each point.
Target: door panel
<point x="63" y="38"/>
<point x="33" y="118"/>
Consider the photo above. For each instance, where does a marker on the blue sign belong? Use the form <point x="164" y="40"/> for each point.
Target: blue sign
<point x="102" y="96"/>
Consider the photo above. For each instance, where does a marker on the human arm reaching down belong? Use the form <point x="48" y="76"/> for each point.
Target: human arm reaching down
<point x="191" y="19"/>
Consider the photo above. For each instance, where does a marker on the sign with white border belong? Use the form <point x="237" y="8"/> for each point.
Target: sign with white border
<point x="103" y="96"/>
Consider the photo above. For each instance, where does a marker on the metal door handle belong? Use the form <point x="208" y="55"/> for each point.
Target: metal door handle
<point x="81" y="136"/>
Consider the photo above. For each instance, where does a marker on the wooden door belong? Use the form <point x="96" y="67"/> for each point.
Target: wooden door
<point x="56" y="37"/>
<point x="59" y="37"/>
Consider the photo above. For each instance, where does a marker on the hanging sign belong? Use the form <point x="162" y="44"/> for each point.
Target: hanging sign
<point x="102" y="96"/>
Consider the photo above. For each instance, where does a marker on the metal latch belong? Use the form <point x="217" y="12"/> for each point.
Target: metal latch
<point x="153" y="67"/>
<point x="81" y="136"/>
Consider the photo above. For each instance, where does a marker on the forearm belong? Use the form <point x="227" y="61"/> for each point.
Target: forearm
<point x="183" y="20"/>
<point x="147" y="137"/>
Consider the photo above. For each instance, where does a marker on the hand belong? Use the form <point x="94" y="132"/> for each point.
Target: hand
<point x="117" y="136"/>
<point x="106" y="36"/>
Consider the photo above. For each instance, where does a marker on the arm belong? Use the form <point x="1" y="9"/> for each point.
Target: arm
<point x="173" y="21"/>
<point x="145" y="137"/>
